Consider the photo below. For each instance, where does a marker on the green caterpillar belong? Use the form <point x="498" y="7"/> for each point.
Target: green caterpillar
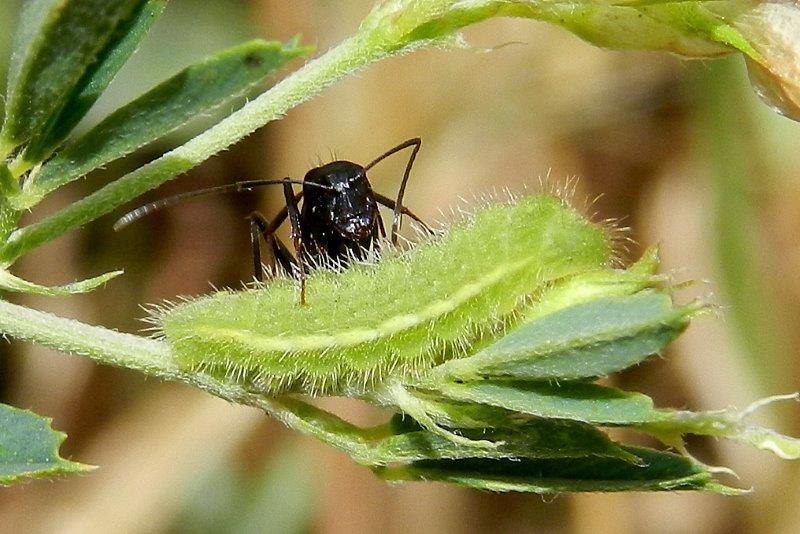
<point x="393" y="318"/>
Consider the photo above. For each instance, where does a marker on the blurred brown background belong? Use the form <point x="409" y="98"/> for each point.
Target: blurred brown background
<point x="681" y="152"/>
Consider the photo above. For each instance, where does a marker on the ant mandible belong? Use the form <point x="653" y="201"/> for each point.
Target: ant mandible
<point x="339" y="218"/>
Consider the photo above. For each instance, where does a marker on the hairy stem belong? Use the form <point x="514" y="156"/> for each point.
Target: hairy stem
<point x="152" y="357"/>
<point x="100" y="344"/>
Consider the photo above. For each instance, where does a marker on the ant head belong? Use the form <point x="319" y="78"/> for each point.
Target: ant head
<point x="341" y="176"/>
<point x="345" y="201"/>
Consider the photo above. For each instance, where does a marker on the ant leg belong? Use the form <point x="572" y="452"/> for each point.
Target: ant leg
<point x="416" y="142"/>
<point x="258" y="268"/>
<point x="294" y="221"/>
<point x="391" y="204"/>
<point x="260" y="225"/>
<point x="381" y="227"/>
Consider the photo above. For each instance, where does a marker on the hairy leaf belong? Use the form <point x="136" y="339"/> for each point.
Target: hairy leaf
<point x="395" y="318"/>
<point x="9" y="217"/>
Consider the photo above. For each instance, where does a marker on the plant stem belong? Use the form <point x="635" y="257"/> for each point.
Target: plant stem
<point x="100" y="344"/>
<point x="154" y="358"/>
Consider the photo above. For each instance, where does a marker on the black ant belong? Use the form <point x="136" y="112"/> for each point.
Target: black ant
<point x="339" y="218"/>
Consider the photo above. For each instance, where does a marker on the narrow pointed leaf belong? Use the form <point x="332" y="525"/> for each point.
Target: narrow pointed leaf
<point x="538" y="438"/>
<point x="123" y="43"/>
<point x="58" y="40"/>
<point x="659" y="471"/>
<point x="599" y="405"/>
<point x="196" y="90"/>
<point x="578" y="401"/>
<point x="9" y="282"/>
<point x="29" y="448"/>
<point x="584" y="341"/>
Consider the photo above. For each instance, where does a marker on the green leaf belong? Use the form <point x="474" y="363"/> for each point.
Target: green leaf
<point x="584" y="341"/>
<point x="9" y="217"/>
<point x="8" y="184"/>
<point x="9" y="282"/>
<point x="728" y="424"/>
<point x="56" y="42"/>
<point x="578" y="401"/>
<point x="536" y="438"/>
<point x="593" y="285"/>
<point x="657" y="471"/>
<point x="98" y="76"/>
<point x="691" y="28"/>
<point x="194" y="91"/>
<point x="403" y="440"/>
<point x="29" y="447"/>
<point x="599" y="405"/>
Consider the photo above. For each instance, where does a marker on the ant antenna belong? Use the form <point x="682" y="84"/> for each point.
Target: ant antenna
<point x="237" y="187"/>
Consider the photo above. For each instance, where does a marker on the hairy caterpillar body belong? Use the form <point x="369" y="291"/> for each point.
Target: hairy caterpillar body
<point x="396" y="317"/>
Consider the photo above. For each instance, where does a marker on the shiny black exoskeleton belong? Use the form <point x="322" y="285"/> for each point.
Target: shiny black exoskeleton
<point x="341" y="218"/>
<point x="338" y="220"/>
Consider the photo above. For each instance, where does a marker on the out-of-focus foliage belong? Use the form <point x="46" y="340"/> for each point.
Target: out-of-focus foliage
<point x="281" y="494"/>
